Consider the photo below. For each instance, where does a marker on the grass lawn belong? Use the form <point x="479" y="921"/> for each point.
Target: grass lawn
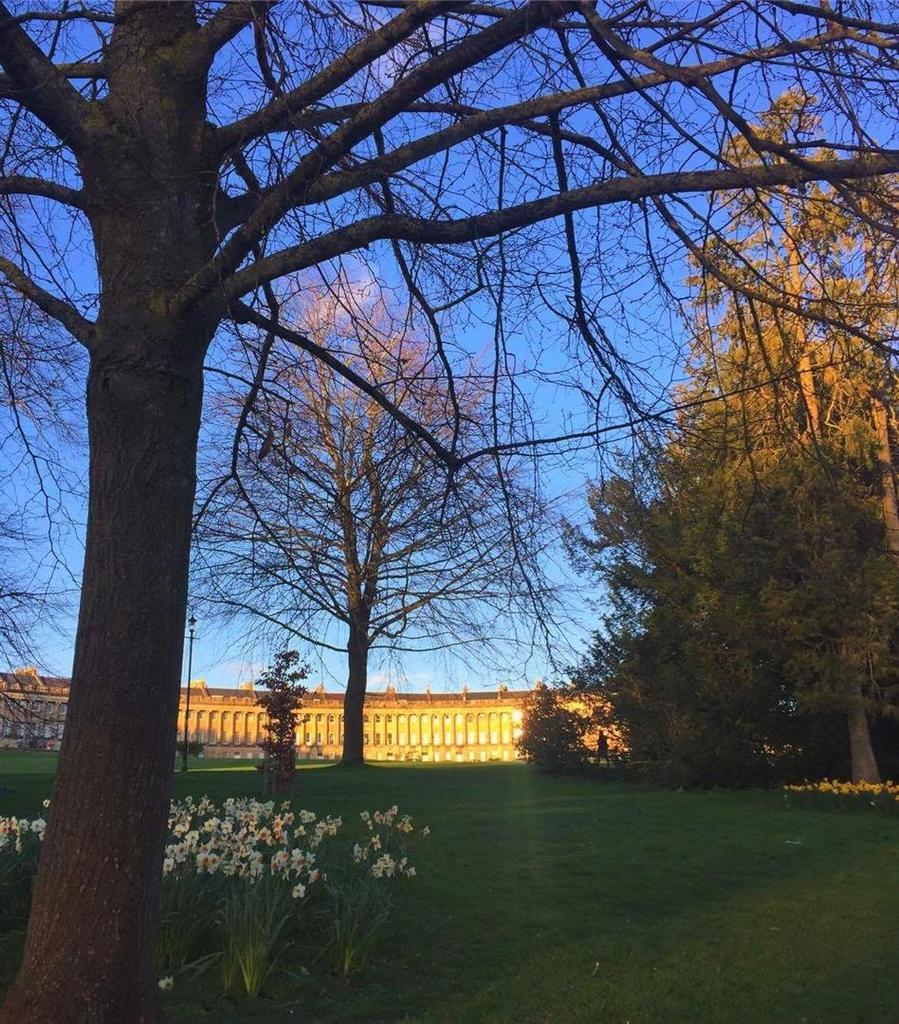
<point x="559" y="901"/>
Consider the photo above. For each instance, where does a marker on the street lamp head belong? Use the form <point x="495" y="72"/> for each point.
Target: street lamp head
<point x="192" y="622"/>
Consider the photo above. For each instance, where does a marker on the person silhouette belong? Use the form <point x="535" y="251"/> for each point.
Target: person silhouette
<point x="602" y="747"/>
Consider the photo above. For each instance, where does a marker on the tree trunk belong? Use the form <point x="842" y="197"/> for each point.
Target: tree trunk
<point x="888" y="497"/>
<point x="89" y="952"/>
<point x="863" y="762"/>
<point x="354" y="700"/>
<point x="807" y="385"/>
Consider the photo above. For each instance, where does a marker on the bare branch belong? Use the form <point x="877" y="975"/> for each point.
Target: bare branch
<point x="226" y="23"/>
<point x="241" y="313"/>
<point x="67" y="315"/>
<point x="619" y="190"/>
<point x="409" y="88"/>
<point x="273" y="117"/>
<point x="83" y="69"/>
<point x="22" y="184"/>
<point x="41" y="87"/>
<point x="76" y="14"/>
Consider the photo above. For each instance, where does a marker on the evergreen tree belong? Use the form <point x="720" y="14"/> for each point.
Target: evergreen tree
<point x="753" y="569"/>
<point x="553" y="734"/>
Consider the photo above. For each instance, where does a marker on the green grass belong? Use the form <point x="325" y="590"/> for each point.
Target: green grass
<point x="556" y="901"/>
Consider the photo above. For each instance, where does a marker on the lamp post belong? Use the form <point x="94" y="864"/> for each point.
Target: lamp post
<point x="192" y="624"/>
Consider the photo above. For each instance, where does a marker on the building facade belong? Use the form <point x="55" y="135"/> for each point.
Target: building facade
<point x="32" y="709"/>
<point x="436" y="727"/>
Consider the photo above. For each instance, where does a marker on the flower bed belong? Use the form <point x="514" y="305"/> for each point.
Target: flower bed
<point x="248" y="886"/>
<point x="833" y="793"/>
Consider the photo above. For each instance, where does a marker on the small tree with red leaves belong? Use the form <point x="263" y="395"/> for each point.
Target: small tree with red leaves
<point x="283" y="681"/>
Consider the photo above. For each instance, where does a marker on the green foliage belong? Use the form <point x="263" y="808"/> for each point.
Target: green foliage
<point x="552" y="735"/>
<point x="356" y="912"/>
<point x="254" y="915"/>
<point x="189" y="910"/>
<point x="754" y="597"/>
<point x="746" y="611"/>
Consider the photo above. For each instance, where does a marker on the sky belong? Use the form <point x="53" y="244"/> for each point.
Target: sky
<point x="635" y="315"/>
<point x="225" y="654"/>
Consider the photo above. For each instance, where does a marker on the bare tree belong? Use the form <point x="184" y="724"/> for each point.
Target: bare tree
<point x="38" y="491"/>
<point x="338" y="515"/>
<point x="175" y="160"/>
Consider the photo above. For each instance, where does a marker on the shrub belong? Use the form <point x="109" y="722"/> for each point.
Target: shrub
<point x="553" y="734"/>
<point x="283" y="680"/>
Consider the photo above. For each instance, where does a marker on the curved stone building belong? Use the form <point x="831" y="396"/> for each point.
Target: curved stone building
<point x="464" y="726"/>
<point x="470" y="725"/>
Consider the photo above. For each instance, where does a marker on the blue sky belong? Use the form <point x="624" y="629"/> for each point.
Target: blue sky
<point x="226" y="654"/>
<point x="634" y="312"/>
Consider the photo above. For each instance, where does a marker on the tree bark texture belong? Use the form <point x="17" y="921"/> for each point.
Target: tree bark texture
<point x="89" y="952"/>
<point x="861" y="751"/>
<point x="354" y="699"/>
<point x="888" y="496"/>
<point x="97" y="892"/>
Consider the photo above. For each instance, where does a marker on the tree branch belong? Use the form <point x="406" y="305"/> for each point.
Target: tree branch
<point x="78" y="14"/>
<point x="22" y="184"/>
<point x="40" y="86"/>
<point x="371" y="116"/>
<point x="837" y="16"/>
<point x="225" y="24"/>
<point x="272" y="117"/>
<point x="242" y="313"/>
<point x="476" y="121"/>
<point x="81" y="69"/>
<point x="79" y="327"/>
<point x="482" y="121"/>
<point x="468" y="229"/>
